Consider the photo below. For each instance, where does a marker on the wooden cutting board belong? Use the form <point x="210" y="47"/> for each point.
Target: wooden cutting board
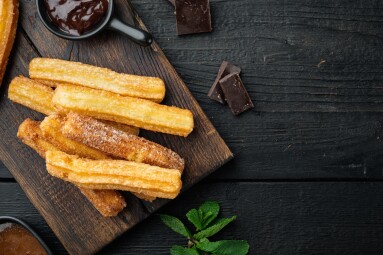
<point x="80" y="228"/>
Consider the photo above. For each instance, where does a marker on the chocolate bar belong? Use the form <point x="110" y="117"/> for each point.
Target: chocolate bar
<point x="236" y="94"/>
<point x="193" y="16"/>
<point x="215" y="91"/>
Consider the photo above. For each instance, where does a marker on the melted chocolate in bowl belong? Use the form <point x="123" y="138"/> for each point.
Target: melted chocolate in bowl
<point x="15" y="240"/>
<point x="76" y="17"/>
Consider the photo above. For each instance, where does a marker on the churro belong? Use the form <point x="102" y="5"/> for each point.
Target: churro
<point x="9" y="13"/>
<point x="38" y="97"/>
<point x="32" y="95"/>
<point x="115" y="174"/>
<point x="107" y="139"/>
<point x="127" y="110"/>
<point x="51" y="130"/>
<point x="107" y="202"/>
<point x="144" y="197"/>
<point x="30" y="134"/>
<point x="125" y="128"/>
<point x="56" y="71"/>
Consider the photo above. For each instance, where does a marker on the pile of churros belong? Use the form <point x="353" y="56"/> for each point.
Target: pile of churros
<point x="90" y="135"/>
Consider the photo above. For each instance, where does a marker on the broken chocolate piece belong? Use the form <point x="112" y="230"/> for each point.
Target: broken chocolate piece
<point x="193" y="16"/>
<point x="215" y="91"/>
<point x="235" y="93"/>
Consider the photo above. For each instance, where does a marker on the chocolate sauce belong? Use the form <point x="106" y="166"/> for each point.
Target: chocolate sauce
<point x="76" y="16"/>
<point x="16" y="240"/>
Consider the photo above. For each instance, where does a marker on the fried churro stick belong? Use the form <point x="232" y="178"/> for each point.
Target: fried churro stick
<point x="30" y="134"/>
<point x="32" y="95"/>
<point x="47" y="83"/>
<point x="38" y="97"/>
<point x="115" y="174"/>
<point x="107" y="202"/>
<point x="144" y="197"/>
<point x="95" y="134"/>
<point x="131" y="111"/>
<point x="9" y="13"/>
<point x="125" y="128"/>
<point x="69" y="72"/>
<point x="51" y="130"/>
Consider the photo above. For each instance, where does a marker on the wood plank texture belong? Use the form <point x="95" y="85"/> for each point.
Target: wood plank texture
<point x="316" y="56"/>
<point x="313" y="69"/>
<point x="4" y="172"/>
<point x="288" y="134"/>
<point x="276" y="218"/>
<point x="76" y="223"/>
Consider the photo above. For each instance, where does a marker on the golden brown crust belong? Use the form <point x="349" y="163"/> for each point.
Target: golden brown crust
<point x="51" y="130"/>
<point x="107" y="202"/>
<point x="32" y="95"/>
<point x="125" y="128"/>
<point x="57" y="71"/>
<point x="144" y="197"/>
<point x="111" y="141"/>
<point x="9" y="13"/>
<point x="46" y="83"/>
<point x="38" y="97"/>
<point x="127" y="110"/>
<point x="115" y="174"/>
<point x="30" y="134"/>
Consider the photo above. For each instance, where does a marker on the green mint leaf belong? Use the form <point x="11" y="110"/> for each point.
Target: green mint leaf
<point x="194" y="217"/>
<point x="225" y="247"/>
<point x="179" y="250"/>
<point x="209" y="211"/>
<point x="176" y="225"/>
<point x="205" y="214"/>
<point x="214" y="229"/>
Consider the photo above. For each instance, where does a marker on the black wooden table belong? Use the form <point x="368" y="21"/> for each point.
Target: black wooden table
<point x="308" y="168"/>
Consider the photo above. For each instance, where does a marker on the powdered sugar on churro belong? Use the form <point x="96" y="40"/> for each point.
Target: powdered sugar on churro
<point x="118" y="143"/>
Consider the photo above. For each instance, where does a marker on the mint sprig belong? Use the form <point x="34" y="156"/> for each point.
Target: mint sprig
<point x="176" y="225"/>
<point x="205" y="214"/>
<point x="206" y="224"/>
<point x="225" y="247"/>
<point x="179" y="250"/>
<point x="214" y="229"/>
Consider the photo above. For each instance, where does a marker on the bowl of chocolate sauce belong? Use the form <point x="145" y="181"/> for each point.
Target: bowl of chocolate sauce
<point x="16" y="238"/>
<point x="81" y="19"/>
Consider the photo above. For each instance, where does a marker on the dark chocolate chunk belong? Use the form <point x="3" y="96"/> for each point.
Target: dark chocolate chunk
<point x="235" y="93"/>
<point x="193" y="16"/>
<point x="215" y="91"/>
